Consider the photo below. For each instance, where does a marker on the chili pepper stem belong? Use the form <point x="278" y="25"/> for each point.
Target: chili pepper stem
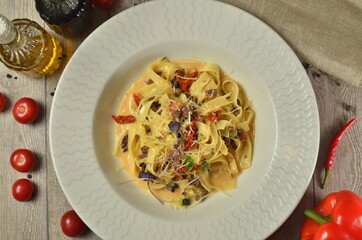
<point x="316" y="216"/>
<point x="326" y="175"/>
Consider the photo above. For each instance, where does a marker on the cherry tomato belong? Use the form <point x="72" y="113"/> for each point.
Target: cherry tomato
<point x="23" y="190"/>
<point x="185" y="85"/>
<point x="22" y="160"/>
<point x="215" y="116"/>
<point x="2" y="102"/>
<point x="25" y="110"/>
<point x="105" y="4"/>
<point x="71" y="224"/>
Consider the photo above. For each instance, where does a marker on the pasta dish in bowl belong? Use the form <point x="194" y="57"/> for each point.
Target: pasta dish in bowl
<point x="184" y="130"/>
<point x="109" y="189"/>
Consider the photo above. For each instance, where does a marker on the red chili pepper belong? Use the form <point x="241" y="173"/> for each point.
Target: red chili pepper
<point x="215" y="116"/>
<point x="137" y="99"/>
<point x="190" y="136"/>
<point x="332" y="150"/>
<point x="336" y="217"/>
<point x="123" y="119"/>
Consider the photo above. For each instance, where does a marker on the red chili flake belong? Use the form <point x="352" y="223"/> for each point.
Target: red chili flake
<point x="137" y="98"/>
<point x="124" y="119"/>
<point x="215" y="116"/>
<point x="175" y="106"/>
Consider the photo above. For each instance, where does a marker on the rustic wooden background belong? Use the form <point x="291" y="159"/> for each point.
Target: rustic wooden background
<point x="39" y="219"/>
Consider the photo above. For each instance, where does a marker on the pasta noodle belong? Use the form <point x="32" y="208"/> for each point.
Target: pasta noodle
<point x="185" y="130"/>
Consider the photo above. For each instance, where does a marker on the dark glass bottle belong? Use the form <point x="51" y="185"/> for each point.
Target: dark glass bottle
<point x="66" y="17"/>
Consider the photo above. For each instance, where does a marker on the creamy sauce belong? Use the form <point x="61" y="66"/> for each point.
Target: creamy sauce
<point x="224" y="179"/>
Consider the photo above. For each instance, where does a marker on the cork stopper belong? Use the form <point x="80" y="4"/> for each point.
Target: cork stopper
<point x="7" y="30"/>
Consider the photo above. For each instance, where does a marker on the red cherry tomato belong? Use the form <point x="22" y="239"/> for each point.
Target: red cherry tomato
<point x="23" y="190"/>
<point x="215" y="116"/>
<point x="71" y="224"/>
<point x="22" y="160"/>
<point x="105" y="4"/>
<point x="25" y="110"/>
<point x="2" y="102"/>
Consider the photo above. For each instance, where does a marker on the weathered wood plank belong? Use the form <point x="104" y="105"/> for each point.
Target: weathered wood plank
<point x="338" y="102"/>
<point x="22" y="220"/>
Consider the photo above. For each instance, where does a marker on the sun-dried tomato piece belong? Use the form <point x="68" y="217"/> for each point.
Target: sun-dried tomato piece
<point x="124" y="119"/>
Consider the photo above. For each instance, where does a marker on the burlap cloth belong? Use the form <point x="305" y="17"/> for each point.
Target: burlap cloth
<point x="323" y="33"/>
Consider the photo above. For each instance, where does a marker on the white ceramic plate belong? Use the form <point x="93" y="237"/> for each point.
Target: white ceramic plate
<point x="116" y="54"/>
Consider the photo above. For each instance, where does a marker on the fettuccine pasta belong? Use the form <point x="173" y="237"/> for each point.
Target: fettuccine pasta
<point x="184" y="130"/>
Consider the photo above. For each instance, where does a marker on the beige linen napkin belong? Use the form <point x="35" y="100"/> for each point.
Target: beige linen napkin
<point x="324" y="33"/>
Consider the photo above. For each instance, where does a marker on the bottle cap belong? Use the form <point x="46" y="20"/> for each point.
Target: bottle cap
<point x="59" y="12"/>
<point x="7" y="30"/>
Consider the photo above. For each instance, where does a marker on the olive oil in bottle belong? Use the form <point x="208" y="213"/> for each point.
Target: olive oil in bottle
<point x="66" y="17"/>
<point x="27" y="48"/>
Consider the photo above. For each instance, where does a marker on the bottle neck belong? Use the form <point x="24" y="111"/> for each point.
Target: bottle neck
<point x="18" y="42"/>
<point x="8" y="31"/>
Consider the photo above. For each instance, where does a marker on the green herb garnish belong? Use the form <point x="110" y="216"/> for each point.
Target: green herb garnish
<point x="190" y="164"/>
<point x="205" y="165"/>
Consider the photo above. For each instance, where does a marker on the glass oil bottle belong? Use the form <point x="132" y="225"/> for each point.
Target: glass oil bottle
<point x="27" y="48"/>
<point x="66" y="17"/>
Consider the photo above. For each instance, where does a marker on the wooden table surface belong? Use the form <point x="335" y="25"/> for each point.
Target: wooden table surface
<point x="39" y="219"/>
